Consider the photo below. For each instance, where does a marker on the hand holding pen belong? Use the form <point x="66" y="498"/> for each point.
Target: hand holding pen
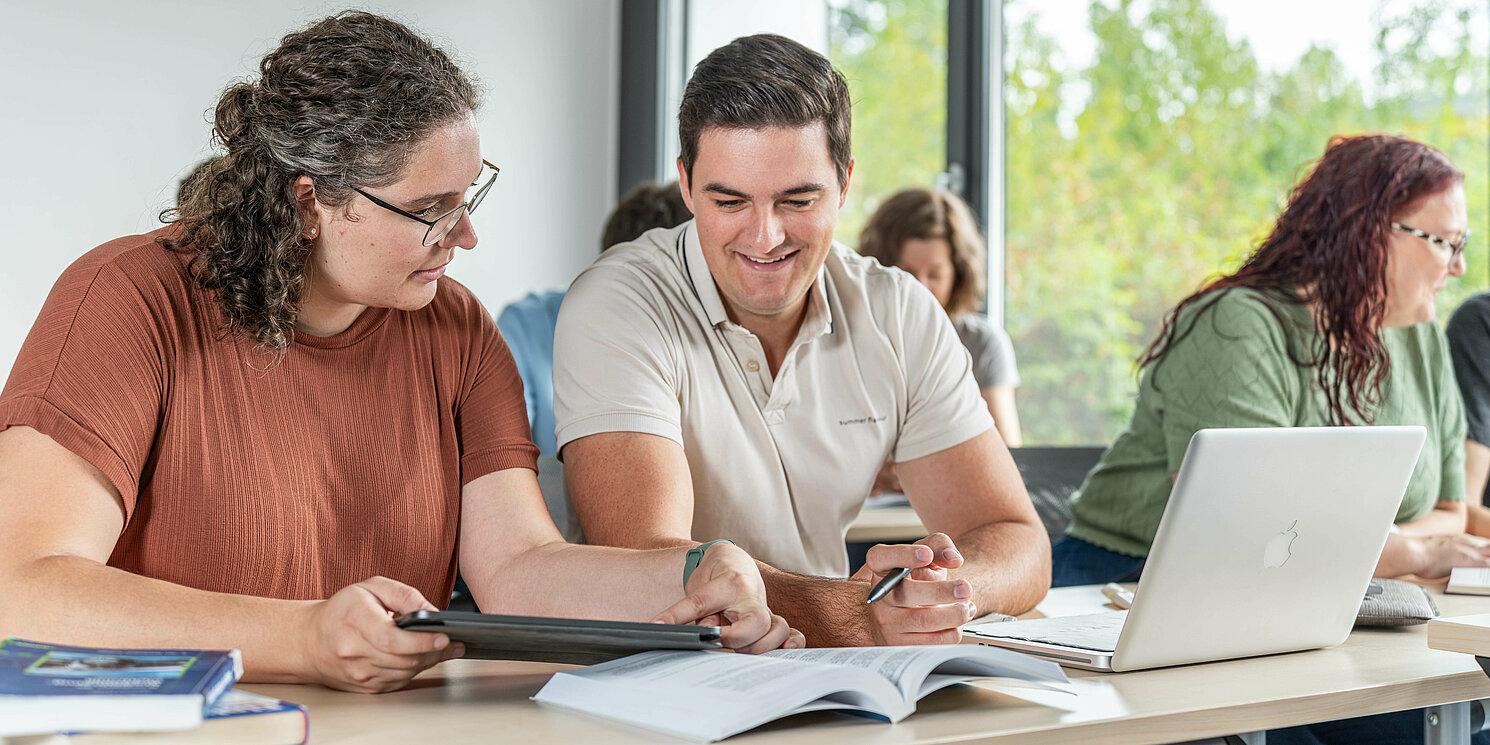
<point x="887" y="584"/>
<point x="913" y="601"/>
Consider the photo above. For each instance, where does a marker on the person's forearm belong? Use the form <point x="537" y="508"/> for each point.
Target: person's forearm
<point x="581" y="581"/>
<point x="1479" y="521"/>
<point x="1437" y="522"/>
<point x="1000" y="400"/>
<point x="1401" y="555"/>
<point x="73" y="600"/>
<point x="1008" y="565"/>
<point x="1476" y="472"/>
<point x="829" y="612"/>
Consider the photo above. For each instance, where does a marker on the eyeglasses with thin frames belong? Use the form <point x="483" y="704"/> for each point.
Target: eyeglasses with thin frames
<point x="1455" y="250"/>
<point x="442" y="225"/>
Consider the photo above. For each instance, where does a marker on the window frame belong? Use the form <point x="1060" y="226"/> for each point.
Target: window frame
<point x="653" y="71"/>
<point x="651" y="74"/>
<point x="975" y="129"/>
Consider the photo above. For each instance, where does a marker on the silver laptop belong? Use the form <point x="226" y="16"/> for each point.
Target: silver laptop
<point x="1267" y="545"/>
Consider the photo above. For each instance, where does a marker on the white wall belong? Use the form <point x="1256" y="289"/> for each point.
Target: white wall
<point x="105" y="105"/>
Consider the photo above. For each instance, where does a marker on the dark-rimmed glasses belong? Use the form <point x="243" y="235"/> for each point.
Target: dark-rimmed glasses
<point x="442" y="225"/>
<point x="1455" y="250"/>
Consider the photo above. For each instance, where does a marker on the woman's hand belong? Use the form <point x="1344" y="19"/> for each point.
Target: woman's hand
<point x="351" y="643"/>
<point x="1441" y="553"/>
<point x="726" y="590"/>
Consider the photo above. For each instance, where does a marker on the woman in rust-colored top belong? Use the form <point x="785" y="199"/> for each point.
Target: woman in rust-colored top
<point x="275" y="423"/>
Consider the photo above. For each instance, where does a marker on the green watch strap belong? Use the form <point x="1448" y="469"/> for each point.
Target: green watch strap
<point x="696" y="555"/>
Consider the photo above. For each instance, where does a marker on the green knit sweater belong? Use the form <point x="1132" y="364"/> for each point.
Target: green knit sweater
<point x="1233" y="369"/>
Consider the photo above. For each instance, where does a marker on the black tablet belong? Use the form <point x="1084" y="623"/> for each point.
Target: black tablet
<point x="570" y="640"/>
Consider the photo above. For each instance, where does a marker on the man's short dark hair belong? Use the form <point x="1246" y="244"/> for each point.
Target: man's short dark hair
<point x="650" y="205"/>
<point x="763" y="81"/>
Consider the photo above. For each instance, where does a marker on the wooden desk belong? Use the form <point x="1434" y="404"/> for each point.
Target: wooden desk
<point x="1376" y="671"/>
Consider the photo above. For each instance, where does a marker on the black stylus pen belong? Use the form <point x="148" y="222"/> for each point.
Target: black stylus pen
<point x="887" y="584"/>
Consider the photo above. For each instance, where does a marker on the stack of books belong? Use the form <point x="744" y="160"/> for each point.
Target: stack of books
<point x="60" y="694"/>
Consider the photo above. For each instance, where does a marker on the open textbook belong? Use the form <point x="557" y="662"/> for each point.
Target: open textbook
<point x="1469" y="581"/>
<point x="709" y="696"/>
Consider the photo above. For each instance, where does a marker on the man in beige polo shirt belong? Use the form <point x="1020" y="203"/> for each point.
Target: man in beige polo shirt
<point x="744" y="377"/>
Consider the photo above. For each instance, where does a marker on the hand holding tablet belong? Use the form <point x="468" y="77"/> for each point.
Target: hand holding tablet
<point x="569" y="640"/>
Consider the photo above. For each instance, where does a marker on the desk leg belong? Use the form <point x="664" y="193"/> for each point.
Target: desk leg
<point x="1447" y="724"/>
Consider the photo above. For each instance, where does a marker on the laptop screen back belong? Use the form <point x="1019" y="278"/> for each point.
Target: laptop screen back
<point x="1268" y="542"/>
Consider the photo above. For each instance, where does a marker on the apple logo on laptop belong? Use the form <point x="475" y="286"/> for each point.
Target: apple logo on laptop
<point x="1280" y="547"/>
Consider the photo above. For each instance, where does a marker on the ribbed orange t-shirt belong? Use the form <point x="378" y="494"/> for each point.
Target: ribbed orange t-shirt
<point x="291" y="480"/>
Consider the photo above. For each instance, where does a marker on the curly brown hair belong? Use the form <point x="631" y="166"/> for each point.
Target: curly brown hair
<point x="1331" y="240"/>
<point x="928" y="213"/>
<point x="345" y="101"/>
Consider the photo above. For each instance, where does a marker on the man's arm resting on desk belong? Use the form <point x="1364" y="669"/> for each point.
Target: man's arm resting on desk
<point x="632" y="489"/>
<point x="59" y="521"/>
<point x="927" y="608"/>
<point x="973" y="493"/>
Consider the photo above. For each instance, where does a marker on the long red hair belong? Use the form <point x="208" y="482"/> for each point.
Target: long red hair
<point x="1331" y="241"/>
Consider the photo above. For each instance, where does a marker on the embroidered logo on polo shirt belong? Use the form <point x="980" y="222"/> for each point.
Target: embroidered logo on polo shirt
<point x="871" y="419"/>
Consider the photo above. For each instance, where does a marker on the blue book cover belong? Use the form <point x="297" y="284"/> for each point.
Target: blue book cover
<point x="54" y="688"/>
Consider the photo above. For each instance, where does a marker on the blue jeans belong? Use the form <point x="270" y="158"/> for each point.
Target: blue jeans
<point x="1076" y="562"/>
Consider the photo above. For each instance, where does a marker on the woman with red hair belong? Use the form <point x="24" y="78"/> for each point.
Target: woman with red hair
<point x="1329" y="322"/>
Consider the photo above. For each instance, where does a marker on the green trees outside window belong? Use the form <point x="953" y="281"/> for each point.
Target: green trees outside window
<point x="1132" y="179"/>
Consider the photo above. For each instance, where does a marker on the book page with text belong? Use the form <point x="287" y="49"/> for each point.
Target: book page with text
<point x="911" y="669"/>
<point x="704" y="695"/>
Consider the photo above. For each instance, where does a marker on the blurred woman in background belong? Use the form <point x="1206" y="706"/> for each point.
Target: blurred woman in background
<point x="932" y="235"/>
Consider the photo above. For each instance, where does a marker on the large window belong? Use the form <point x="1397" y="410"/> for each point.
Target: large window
<point x="894" y="55"/>
<point x="1146" y="145"/>
<point x="1149" y="145"/>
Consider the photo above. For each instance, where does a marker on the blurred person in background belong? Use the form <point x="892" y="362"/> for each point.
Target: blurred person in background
<point x="932" y="235"/>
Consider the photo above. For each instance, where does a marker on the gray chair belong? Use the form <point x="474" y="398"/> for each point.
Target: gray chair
<point x="1051" y="475"/>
